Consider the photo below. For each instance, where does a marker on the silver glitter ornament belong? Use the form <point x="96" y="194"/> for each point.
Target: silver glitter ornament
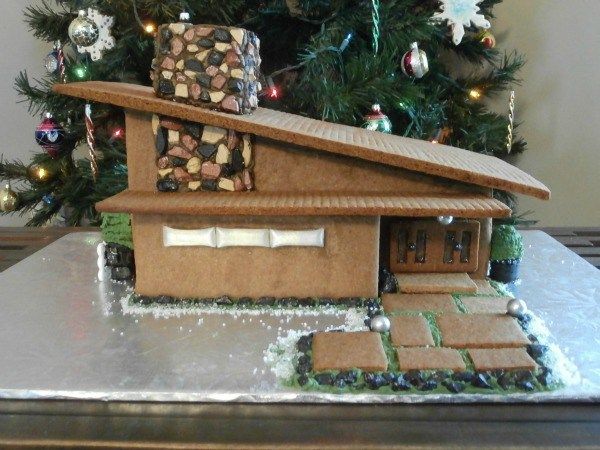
<point x="51" y="62"/>
<point x="516" y="307"/>
<point x="83" y="31"/>
<point x="380" y="324"/>
<point x="445" y="220"/>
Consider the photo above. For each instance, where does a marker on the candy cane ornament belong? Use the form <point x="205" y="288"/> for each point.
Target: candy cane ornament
<point x="91" y="140"/>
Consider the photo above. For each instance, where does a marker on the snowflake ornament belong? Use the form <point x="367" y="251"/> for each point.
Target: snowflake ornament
<point x="460" y="14"/>
<point x="105" y="40"/>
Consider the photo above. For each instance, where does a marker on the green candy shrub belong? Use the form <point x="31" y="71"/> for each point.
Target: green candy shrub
<point x="507" y="243"/>
<point x="116" y="229"/>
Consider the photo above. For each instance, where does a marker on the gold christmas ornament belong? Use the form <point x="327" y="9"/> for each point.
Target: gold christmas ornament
<point x="9" y="199"/>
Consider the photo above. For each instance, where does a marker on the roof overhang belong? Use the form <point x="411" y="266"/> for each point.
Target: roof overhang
<point x="421" y="156"/>
<point x="265" y="204"/>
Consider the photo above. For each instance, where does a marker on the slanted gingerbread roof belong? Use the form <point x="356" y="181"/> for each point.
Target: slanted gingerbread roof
<point x="421" y="156"/>
<point x="256" y="203"/>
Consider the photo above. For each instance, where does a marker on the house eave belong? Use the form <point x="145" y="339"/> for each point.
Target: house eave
<point x="310" y="204"/>
<point x="396" y="151"/>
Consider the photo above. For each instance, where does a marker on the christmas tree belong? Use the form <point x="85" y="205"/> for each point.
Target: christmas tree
<point x="430" y="65"/>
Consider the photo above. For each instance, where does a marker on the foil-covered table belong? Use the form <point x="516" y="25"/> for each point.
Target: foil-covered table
<point x="64" y="336"/>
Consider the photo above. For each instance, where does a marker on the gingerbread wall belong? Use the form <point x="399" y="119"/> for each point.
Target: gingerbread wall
<point x="346" y="266"/>
<point x="280" y="167"/>
<point x="290" y="168"/>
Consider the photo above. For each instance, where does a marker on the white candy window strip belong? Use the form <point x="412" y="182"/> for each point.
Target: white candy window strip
<point x="298" y="238"/>
<point x="217" y="237"/>
<point x="101" y="262"/>
<point x="205" y="237"/>
<point x="242" y="237"/>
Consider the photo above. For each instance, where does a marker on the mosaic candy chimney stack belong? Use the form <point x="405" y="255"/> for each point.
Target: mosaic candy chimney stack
<point x="211" y="67"/>
<point x="193" y="157"/>
<point x="208" y="66"/>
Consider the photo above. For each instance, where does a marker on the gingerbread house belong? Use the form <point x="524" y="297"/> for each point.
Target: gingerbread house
<point x="275" y="204"/>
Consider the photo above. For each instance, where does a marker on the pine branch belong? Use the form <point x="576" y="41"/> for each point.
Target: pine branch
<point x="47" y="23"/>
<point x="301" y="49"/>
<point x="12" y="170"/>
<point x="40" y="98"/>
<point x="499" y="78"/>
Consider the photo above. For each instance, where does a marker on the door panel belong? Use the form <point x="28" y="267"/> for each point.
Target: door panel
<point x="428" y="246"/>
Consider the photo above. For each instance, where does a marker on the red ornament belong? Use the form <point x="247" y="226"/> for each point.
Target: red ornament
<point x="414" y="62"/>
<point x="50" y="135"/>
<point x="487" y="39"/>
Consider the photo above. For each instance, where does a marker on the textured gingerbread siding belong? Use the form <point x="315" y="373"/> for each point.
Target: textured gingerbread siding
<point x="346" y="266"/>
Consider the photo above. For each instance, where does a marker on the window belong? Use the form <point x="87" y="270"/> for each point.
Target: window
<point x="217" y="237"/>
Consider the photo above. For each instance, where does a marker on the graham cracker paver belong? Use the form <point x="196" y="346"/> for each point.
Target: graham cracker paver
<point x="431" y="358"/>
<point x="484" y="287"/>
<point x="480" y="331"/>
<point x="418" y="302"/>
<point x="502" y="358"/>
<point x="342" y="351"/>
<point x="485" y="304"/>
<point x="410" y="331"/>
<point x="435" y="283"/>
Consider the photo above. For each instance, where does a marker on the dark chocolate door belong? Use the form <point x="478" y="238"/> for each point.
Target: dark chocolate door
<point x="428" y="246"/>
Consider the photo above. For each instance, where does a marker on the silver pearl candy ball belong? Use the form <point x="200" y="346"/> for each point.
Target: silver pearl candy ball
<point x="380" y="324"/>
<point x="445" y="220"/>
<point x="516" y="307"/>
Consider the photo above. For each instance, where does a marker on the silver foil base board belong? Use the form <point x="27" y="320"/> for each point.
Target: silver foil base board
<point x="65" y="335"/>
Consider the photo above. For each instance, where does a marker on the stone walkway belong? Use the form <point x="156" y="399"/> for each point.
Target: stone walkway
<point x="435" y="330"/>
<point x="435" y="283"/>
<point x="472" y="322"/>
<point x="341" y="351"/>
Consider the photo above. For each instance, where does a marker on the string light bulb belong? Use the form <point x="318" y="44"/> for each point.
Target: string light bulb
<point x="149" y="28"/>
<point x="272" y="91"/>
<point x="39" y="173"/>
<point x="80" y="72"/>
<point x="118" y="133"/>
<point x="345" y="42"/>
<point x="475" y="94"/>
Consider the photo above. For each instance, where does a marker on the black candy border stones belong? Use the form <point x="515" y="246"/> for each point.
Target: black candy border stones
<point x="424" y="381"/>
